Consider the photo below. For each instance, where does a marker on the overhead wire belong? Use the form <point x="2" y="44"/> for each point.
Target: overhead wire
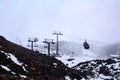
<point x="83" y="39"/>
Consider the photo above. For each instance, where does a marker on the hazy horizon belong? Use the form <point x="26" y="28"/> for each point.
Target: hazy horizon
<point x="96" y="20"/>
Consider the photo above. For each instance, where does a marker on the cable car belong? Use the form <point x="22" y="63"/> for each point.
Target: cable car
<point x="86" y="45"/>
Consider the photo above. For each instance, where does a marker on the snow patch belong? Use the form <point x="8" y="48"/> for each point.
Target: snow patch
<point x="67" y="78"/>
<point x="23" y="76"/>
<point x="13" y="58"/>
<point x="5" y="67"/>
<point x="105" y="77"/>
<point x="24" y="68"/>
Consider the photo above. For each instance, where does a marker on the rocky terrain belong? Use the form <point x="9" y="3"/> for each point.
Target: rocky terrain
<point x="30" y="65"/>
<point x="19" y="63"/>
<point x="108" y="69"/>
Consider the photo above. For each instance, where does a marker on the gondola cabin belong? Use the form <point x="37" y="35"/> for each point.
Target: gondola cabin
<point x="86" y="45"/>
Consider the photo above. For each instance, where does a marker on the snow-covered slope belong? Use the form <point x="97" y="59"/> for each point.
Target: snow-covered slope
<point x="109" y="50"/>
<point x="108" y="69"/>
<point x="69" y="48"/>
<point x="72" y="60"/>
<point x="72" y="53"/>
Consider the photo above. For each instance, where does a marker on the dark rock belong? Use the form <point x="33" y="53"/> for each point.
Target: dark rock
<point x="35" y="65"/>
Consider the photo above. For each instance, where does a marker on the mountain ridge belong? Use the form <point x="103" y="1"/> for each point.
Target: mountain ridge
<point x="34" y="64"/>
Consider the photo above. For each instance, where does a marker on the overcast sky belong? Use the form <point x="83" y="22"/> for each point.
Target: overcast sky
<point x="97" y="20"/>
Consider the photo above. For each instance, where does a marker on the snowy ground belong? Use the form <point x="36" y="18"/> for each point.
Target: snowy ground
<point x="72" y="60"/>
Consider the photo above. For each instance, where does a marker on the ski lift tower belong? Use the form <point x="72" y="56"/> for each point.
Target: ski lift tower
<point x="48" y="42"/>
<point x="57" y="33"/>
<point x="32" y="40"/>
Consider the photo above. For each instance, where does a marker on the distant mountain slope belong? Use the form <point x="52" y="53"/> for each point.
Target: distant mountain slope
<point x="111" y="50"/>
<point x="73" y="53"/>
<point x="70" y="48"/>
<point x="73" y="59"/>
<point x="100" y="50"/>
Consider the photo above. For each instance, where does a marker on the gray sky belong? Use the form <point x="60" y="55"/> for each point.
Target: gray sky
<point x="97" y="20"/>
